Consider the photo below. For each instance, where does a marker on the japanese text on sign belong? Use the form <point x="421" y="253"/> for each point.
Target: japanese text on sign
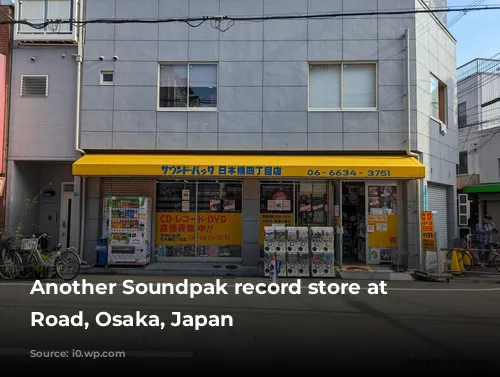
<point x="427" y="229"/>
<point x="179" y="228"/>
<point x="258" y="171"/>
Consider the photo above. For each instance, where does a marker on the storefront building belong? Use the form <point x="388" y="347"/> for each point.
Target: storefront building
<point x="217" y="213"/>
<point x="299" y="122"/>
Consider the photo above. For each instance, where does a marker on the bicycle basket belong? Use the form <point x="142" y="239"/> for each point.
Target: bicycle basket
<point x="29" y="244"/>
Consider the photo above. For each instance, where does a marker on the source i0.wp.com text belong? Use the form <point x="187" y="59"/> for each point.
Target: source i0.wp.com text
<point x="78" y="354"/>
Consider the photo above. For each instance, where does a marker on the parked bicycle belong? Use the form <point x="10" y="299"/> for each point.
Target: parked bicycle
<point x="10" y="260"/>
<point x="471" y="257"/>
<point x="66" y="263"/>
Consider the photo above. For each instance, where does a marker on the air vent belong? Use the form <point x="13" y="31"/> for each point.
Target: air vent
<point x="34" y="86"/>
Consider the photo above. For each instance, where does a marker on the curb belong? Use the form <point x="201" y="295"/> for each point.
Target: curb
<point x="141" y="272"/>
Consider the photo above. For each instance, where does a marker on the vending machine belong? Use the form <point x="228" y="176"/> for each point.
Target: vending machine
<point x="129" y="230"/>
<point x="323" y="254"/>
<point x="304" y="253"/>
<point x="280" y="247"/>
<point x="292" y="253"/>
<point x="297" y="264"/>
<point x="269" y="251"/>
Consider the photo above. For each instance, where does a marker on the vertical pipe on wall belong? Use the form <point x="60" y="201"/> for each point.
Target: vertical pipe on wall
<point x="83" y="194"/>
<point x="83" y="182"/>
<point x="409" y="151"/>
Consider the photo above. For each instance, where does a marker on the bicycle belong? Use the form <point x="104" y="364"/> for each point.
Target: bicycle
<point x="467" y="255"/>
<point x="10" y="260"/>
<point x="58" y="260"/>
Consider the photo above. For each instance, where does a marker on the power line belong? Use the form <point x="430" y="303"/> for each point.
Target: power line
<point x="190" y="21"/>
<point x="472" y="5"/>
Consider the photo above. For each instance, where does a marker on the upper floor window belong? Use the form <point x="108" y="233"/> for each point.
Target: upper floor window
<point x="438" y="99"/>
<point x="34" y="86"/>
<point x="39" y="11"/>
<point x="107" y="77"/>
<point x="462" y="114"/>
<point x="188" y="86"/>
<point x="463" y="163"/>
<point x="343" y="86"/>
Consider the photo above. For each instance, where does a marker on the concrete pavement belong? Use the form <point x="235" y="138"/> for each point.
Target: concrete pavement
<point x="416" y="326"/>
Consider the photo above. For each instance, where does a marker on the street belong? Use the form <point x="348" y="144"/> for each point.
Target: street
<point x="417" y="325"/>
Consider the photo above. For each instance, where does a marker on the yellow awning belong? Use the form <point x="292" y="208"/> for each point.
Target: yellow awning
<point x="240" y="166"/>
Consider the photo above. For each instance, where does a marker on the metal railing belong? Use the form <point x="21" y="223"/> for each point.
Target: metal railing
<point x="478" y="66"/>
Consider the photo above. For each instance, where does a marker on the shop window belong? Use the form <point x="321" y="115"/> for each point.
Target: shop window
<point x="312" y="204"/>
<point x="188" y="86"/>
<point x="293" y="203"/>
<point x="199" y="219"/>
<point x="347" y="86"/>
<point x="438" y="99"/>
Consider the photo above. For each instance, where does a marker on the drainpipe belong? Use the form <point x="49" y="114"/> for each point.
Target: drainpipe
<point x="409" y="152"/>
<point x="79" y="63"/>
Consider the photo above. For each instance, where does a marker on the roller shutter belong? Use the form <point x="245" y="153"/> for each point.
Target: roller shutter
<point x="128" y="187"/>
<point x="437" y="199"/>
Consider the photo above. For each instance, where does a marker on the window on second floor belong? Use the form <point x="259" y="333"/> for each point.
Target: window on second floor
<point x="463" y="163"/>
<point x="343" y="86"/>
<point x="187" y="86"/>
<point x="39" y="11"/>
<point x="438" y="99"/>
<point x="462" y="114"/>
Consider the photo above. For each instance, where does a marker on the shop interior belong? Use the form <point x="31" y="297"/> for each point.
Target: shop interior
<point x="194" y="200"/>
<point x="354" y="222"/>
<point x="372" y="240"/>
<point x="303" y="204"/>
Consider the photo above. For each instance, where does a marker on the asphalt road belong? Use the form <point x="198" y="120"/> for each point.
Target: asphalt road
<point x="415" y="326"/>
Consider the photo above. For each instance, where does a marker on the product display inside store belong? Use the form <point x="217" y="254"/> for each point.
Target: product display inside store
<point x="353" y="221"/>
<point x="302" y="204"/>
<point x="198" y="219"/>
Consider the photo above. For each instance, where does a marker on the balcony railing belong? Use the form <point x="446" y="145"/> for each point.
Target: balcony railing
<point x="478" y="66"/>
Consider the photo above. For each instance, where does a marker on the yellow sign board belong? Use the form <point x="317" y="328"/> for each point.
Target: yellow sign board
<point x="383" y="231"/>
<point x="427" y="229"/>
<point x="250" y="166"/>
<point x="179" y="228"/>
<point x="269" y="219"/>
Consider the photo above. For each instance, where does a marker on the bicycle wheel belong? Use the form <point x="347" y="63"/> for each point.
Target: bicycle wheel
<point x="10" y="264"/>
<point x="496" y="262"/>
<point x="462" y="256"/>
<point x="67" y="265"/>
<point x="28" y="267"/>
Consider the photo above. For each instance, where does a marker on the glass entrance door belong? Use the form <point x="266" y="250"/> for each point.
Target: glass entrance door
<point x="337" y="221"/>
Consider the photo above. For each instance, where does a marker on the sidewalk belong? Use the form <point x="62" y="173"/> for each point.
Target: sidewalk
<point x="479" y="275"/>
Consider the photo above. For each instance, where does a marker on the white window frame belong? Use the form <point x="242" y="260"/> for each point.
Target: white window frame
<point x="107" y="73"/>
<point x="74" y="4"/>
<point x="46" y="86"/>
<point x="440" y="83"/>
<point x="465" y="205"/>
<point x="197" y="109"/>
<point x="341" y="87"/>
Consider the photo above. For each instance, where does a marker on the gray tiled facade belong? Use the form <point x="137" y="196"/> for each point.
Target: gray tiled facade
<point x="263" y="79"/>
<point x="263" y="75"/>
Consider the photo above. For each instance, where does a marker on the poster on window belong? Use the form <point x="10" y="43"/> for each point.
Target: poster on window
<point x="185" y="194"/>
<point x="185" y="206"/>
<point x="271" y="205"/>
<point x="287" y="205"/>
<point x="279" y="205"/>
